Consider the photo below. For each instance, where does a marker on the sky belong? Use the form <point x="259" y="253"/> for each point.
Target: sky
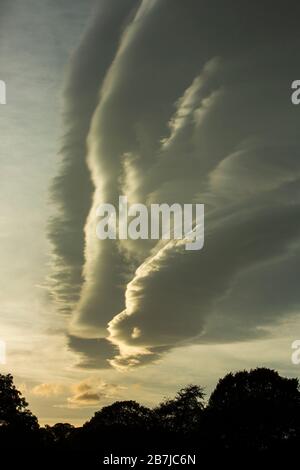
<point x="163" y="101"/>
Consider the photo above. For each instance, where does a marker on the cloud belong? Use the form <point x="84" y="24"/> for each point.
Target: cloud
<point x="188" y="106"/>
<point x="4" y="5"/>
<point x="48" y="390"/>
<point x="94" y="353"/>
<point x="72" y="188"/>
<point x="87" y="393"/>
<point x="91" y="392"/>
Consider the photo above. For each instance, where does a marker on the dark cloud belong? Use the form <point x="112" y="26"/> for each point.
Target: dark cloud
<point x="185" y="104"/>
<point x="72" y="189"/>
<point x="259" y="297"/>
<point x="94" y="353"/>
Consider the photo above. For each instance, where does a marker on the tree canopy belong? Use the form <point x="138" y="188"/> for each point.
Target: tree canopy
<point x="13" y="407"/>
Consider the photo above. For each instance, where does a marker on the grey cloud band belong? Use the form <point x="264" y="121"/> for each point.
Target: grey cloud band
<point x="171" y="101"/>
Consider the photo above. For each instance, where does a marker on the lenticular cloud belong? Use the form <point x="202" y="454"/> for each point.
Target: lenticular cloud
<point x="170" y="102"/>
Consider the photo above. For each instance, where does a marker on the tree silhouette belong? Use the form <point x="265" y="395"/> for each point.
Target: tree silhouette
<point x="127" y="414"/>
<point x="18" y="427"/>
<point x="256" y="410"/>
<point x="59" y="433"/>
<point x="182" y="413"/>
<point x="13" y="407"/>
<point x="121" y="425"/>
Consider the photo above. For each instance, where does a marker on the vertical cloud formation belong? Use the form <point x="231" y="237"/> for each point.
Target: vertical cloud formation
<point x="174" y="102"/>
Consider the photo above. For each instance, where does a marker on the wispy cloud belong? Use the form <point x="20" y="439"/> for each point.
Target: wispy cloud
<point x="48" y="390"/>
<point x="92" y="392"/>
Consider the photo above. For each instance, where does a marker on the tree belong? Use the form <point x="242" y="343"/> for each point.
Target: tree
<point x="13" y="407"/>
<point x="122" y="425"/>
<point x="183" y="413"/>
<point x="127" y="414"/>
<point x="258" y="409"/>
<point x="59" y="432"/>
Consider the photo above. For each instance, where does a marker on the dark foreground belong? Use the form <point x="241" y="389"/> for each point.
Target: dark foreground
<point x="250" y="418"/>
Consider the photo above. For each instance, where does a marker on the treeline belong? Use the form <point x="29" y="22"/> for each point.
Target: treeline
<point x="249" y="412"/>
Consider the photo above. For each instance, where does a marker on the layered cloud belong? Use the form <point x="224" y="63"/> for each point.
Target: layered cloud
<point x="173" y="103"/>
<point x="72" y="188"/>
